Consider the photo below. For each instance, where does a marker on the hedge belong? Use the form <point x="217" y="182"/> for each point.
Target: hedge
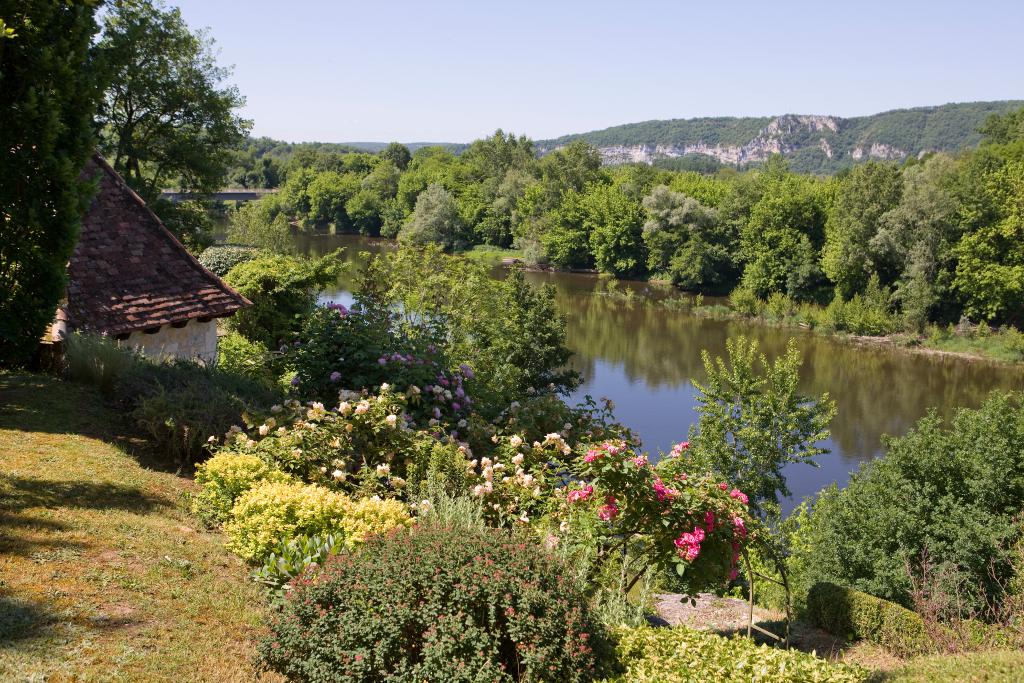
<point x="858" y="616"/>
<point x="682" y="655"/>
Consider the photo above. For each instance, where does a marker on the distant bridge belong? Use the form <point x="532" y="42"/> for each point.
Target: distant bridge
<point x="222" y="196"/>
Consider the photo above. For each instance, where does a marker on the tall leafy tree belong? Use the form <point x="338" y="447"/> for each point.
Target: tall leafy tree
<point x="863" y="197"/>
<point x="436" y="220"/>
<point x="168" y="116"/>
<point x="48" y="96"/>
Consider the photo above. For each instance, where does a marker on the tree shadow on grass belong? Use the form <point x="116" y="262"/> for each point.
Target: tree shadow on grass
<point x="22" y="620"/>
<point x="802" y="636"/>
<point x="23" y="531"/>
<point x="45" y="404"/>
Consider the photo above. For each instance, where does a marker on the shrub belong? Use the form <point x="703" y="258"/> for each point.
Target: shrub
<point x="678" y="655"/>
<point x="745" y="302"/>
<point x="241" y="356"/>
<point x="950" y="494"/>
<point x="274" y="512"/>
<point x="291" y="558"/>
<point x="283" y="290"/>
<point x="854" y="615"/>
<point x="97" y="361"/>
<point x="224" y="478"/>
<point x="221" y="258"/>
<point x="475" y="605"/>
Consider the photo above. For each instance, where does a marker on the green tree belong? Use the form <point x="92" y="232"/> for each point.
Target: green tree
<point x="167" y="115"/>
<point x="864" y="196"/>
<point x="781" y="236"/>
<point x="436" y="220"/>
<point x="614" y="223"/>
<point x="686" y="241"/>
<point x="398" y="154"/>
<point x="283" y="290"/>
<point x="48" y="96"/>
<point x="990" y="271"/>
<point x="753" y="422"/>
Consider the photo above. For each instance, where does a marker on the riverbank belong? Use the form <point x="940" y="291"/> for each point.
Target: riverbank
<point x="105" y="576"/>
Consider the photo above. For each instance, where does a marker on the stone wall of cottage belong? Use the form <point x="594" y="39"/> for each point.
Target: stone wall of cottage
<point x="196" y="340"/>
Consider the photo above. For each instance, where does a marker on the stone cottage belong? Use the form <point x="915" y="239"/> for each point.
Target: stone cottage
<point x="130" y="279"/>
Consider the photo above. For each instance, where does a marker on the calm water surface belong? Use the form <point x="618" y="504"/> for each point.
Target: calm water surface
<point x="644" y="357"/>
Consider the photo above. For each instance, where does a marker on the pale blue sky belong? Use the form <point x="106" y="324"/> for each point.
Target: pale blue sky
<point x="454" y="71"/>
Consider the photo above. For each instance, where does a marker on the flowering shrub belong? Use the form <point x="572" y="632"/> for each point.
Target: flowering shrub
<point x="663" y="514"/>
<point x="273" y="512"/>
<point x="225" y="477"/>
<point x="365" y="444"/>
<point x="475" y="605"/>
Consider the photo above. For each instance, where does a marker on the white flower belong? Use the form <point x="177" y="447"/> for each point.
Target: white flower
<point x="478" y="491"/>
<point x="524" y="518"/>
<point x="345" y="408"/>
<point x="271" y="422"/>
<point x="516" y="441"/>
<point x="564" y="526"/>
<point x="462" y="423"/>
<point x="432" y="422"/>
<point x="494" y="438"/>
<point x="392" y="420"/>
<point x="282" y="431"/>
<point x="212" y="439"/>
<point x="323" y="470"/>
<point x="385" y="386"/>
<point x="275" y="409"/>
<point x="527" y="480"/>
<point x="566" y="427"/>
<point x="398" y="482"/>
<point x="426" y="505"/>
<point x="415" y="390"/>
<point x="447" y="394"/>
<point x="297" y="452"/>
<point x="517" y="459"/>
<point x="362" y="407"/>
<point x="264" y="430"/>
<point x="249" y="443"/>
<point x="383" y="470"/>
<point x="338" y="474"/>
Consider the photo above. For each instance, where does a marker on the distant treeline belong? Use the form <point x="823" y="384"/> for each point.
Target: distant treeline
<point x="929" y="240"/>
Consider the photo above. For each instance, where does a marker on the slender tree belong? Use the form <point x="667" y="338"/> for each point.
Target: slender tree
<point x="47" y="99"/>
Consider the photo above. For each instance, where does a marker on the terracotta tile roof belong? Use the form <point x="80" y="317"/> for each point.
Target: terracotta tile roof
<point x="128" y="272"/>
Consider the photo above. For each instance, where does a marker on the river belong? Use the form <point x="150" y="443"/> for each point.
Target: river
<point x="645" y="357"/>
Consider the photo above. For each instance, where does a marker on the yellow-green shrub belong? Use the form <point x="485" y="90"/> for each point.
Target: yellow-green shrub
<point x="682" y="655"/>
<point x="366" y="517"/>
<point x="276" y="511"/>
<point x="273" y="512"/>
<point x="224" y="478"/>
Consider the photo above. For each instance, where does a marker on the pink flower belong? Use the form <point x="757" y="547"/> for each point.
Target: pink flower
<point x="608" y="511"/>
<point x="661" y="491"/>
<point x="723" y="486"/>
<point x="739" y="495"/>
<point x="709" y="521"/>
<point x="579" y="495"/>
<point x="591" y="455"/>
<point x="640" y="461"/>
<point x="741" y="528"/>
<point x="678" y="449"/>
<point x="689" y="544"/>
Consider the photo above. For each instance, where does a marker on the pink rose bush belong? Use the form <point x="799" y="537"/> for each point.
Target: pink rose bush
<point x="676" y="519"/>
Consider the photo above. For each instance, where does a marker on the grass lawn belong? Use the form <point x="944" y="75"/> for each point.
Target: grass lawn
<point x="103" y="574"/>
<point x="975" y="667"/>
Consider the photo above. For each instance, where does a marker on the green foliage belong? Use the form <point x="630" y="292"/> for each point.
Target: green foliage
<point x="166" y="116"/>
<point x="225" y="477"/>
<point x="275" y="512"/>
<point x="615" y="225"/>
<point x="221" y="258"/>
<point x="475" y="605"/>
<point x="435" y="220"/>
<point x="241" y="356"/>
<point x="752" y="423"/>
<point x="864" y="195"/>
<point x="261" y="224"/>
<point x="948" y="497"/>
<point x="854" y="615"/>
<point x="977" y="667"/>
<point x="47" y="99"/>
<point x="686" y="242"/>
<point x="290" y="559"/>
<point x="682" y="655"/>
<point x="97" y="361"/>
<point x="398" y="154"/>
<point x="283" y="290"/>
<point x="189" y="221"/>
